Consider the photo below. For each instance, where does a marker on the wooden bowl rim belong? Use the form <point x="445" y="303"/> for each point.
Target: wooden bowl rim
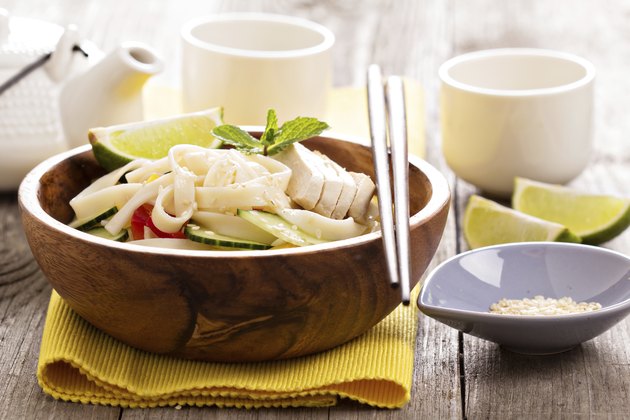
<point x="29" y="202"/>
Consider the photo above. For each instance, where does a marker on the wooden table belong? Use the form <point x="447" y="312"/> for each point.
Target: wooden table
<point x="455" y="376"/>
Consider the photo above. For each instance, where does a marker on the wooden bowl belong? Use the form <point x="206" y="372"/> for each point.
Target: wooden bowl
<point x="224" y="305"/>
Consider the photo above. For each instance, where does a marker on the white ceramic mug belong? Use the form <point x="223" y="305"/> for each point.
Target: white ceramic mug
<point x="516" y="112"/>
<point x="250" y="62"/>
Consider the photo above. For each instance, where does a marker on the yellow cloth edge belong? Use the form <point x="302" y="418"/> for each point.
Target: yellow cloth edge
<point x="66" y="334"/>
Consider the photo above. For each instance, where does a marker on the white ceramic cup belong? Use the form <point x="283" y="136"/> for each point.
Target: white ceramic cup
<point x="250" y="62"/>
<point x="516" y="112"/>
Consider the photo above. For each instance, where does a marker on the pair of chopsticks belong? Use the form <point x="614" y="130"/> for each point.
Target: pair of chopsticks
<point x="386" y="109"/>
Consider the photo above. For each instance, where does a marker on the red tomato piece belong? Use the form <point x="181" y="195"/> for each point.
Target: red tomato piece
<point x="142" y="217"/>
<point x="139" y="221"/>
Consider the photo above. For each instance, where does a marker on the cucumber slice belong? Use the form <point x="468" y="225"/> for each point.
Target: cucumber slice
<point x="279" y="227"/>
<point x="91" y="222"/>
<point x="233" y="226"/>
<point x="172" y="243"/>
<point x="121" y="236"/>
<point x="199" y="234"/>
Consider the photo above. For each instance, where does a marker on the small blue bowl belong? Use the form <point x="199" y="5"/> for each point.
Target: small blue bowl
<point x="459" y="293"/>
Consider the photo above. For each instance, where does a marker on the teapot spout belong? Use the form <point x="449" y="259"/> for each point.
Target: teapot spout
<point x="108" y="93"/>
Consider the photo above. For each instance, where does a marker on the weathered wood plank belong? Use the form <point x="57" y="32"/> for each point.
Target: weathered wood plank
<point x="24" y="295"/>
<point x="192" y="413"/>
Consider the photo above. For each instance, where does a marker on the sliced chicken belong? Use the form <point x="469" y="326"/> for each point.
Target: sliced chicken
<point x="307" y="179"/>
<point x="348" y="191"/>
<point x="333" y="186"/>
<point x="365" y="192"/>
<point x="323" y="186"/>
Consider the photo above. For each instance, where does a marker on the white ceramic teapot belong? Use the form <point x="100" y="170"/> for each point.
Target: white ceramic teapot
<point x="51" y="109"/>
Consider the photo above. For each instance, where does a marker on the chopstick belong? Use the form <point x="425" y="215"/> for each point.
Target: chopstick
<point x="400" y="162"/>
<point x="395" y="230"/>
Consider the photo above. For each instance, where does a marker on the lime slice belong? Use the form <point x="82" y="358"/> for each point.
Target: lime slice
<point x="116" y="145"/>
<point x="489" y="223"/>
<point x="594" y="218"/>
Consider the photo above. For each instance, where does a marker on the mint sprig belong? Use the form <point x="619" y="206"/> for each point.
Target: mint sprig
<point x="274" y="139"/>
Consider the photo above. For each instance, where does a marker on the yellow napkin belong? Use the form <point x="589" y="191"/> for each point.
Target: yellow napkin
<point x="346" y="111"/>
<point x="80" y="363"/>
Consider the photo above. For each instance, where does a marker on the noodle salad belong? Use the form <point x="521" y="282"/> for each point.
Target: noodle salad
<point x="203" y="198"/>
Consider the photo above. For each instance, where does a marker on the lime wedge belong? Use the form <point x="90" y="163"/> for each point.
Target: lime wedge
<point x="594" y="218"/>
<point x="116" y="145"/>
<point x="489" y="223"/>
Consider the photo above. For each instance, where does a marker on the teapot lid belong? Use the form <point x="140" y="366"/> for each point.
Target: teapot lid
<point x="24" y="39"/>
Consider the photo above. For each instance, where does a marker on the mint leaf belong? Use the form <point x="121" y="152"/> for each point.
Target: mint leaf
<point x="238" y="138"/>
<point x="298" y="129"/>
<point x="271" y="128"/>
<point x="273" y="139"/>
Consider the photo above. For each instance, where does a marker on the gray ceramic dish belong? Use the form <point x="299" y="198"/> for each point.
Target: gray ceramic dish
<point x="460" y="291"/>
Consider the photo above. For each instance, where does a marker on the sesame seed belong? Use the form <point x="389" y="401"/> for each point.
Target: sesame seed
<point x="539" y="305"/>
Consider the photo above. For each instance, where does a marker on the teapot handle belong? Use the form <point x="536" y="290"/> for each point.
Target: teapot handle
<point x="61" y="59"/>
